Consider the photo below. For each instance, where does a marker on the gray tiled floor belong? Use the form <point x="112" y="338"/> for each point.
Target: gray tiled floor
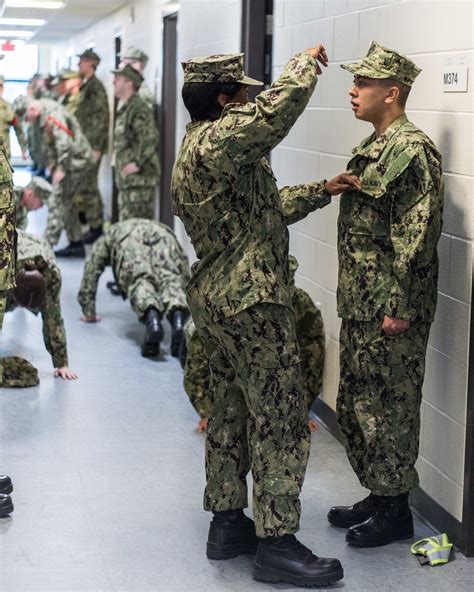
<point x="108" y="474"/>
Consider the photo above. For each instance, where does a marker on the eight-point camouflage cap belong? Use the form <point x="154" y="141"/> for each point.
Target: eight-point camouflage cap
<point x="65" y="74"/>
<point x="89" y="54"/>
<point x="20" y="105"/>
<point x="133" y="53"/>
<point x="218" y="68"/>
<point x="129" y="73"/>
<point x="381" y="62"/>
<point x="41" y="187"/>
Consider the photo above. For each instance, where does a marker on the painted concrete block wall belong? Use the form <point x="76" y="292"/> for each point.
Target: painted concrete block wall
<point x="144" y="30"/>
<point x="205" y="27"/>
<point x="435" y="34"/>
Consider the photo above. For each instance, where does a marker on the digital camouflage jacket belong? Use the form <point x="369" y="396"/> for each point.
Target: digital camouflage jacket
<point x="388" y="232"/>
<point x="36" y="250"/>
<point x="91" y="108"/>
<point x="226" y="195"/>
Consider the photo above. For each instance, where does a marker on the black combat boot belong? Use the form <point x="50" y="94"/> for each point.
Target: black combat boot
<point x="153" y="334"/>
<point x="113" y="288"/>
<point x="6" y="485"/>
<point x="392" y="521"/>
<point x="75" y="249"/>
<point x="6" y="505"/>
<point x="285" y="559"/>
<point x="231" y="534"/>
<point x="177" y="331"/>
<point x="345" y="516"/>
<point x="92" y="235"/>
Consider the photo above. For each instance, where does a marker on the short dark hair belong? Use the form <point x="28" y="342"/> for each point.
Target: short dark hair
<point x="30" y="287"/>
<point x="403" y="88"/>
<point x="200" y="98"/>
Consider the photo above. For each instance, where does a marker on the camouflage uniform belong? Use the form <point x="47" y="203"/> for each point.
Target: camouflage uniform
<point x="7" y="230"/>
<point x="240" y="293"/>
<point x="43" y="190"/>
<point x="388" y="265"/>
<point x="135" y="140"/>
<point x="68" y="150"/>
<point x="149" y="267"/>
<point x="17" y="372"/>
<point x="311" y="341"/>
<point x="8" y="118"/>
<point x="91" y="108"/>
<point x="33" y="249"/>
<point x="21" y="211"/>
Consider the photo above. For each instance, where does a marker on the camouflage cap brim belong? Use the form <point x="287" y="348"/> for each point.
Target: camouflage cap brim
<point x="250" y="81"/>
<point x="366" y="70"/>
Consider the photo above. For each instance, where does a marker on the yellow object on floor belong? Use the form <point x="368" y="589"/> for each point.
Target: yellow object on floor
<point x="434" y="550"/>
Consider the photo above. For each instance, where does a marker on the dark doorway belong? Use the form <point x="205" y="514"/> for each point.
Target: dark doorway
<point x="257" y="35"/>
<point x="168" y="116"/>
<point x="117" y="59"/>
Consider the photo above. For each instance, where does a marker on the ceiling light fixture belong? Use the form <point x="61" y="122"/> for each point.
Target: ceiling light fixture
<point x="13" y="34"/>
<point x="33" y="4"/>
<point x="22" y="22"/>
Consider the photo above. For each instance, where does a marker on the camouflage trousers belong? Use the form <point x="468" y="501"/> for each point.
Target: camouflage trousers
<point x="154" y="280"/>
<point x="258" y="420"/>
<point x="88" y="199"/>
<point x="17" y="372"/>
<point x="62" y="212"/>
<point x="378" y="405"/>
<point x="137" y="202"/>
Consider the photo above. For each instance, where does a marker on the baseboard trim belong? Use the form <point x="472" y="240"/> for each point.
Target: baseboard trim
<point x="424" y="506"/>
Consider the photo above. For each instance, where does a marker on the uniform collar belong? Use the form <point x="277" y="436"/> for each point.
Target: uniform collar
<point x="373" y="147"/>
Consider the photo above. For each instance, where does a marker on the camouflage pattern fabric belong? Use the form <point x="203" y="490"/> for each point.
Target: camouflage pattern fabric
<point x="69" y="150"/>
<point x="147" y="96"/>
<point x="196" y="371"/>
<point x="226" y="195"/>
<point x="33" y="249"/>
<point x="8" y="119"/>
<point x="388" y="233"/>
<point x="17" y="372"/>
<point x="149" y="267"/>
<point x="92" y="112"/>
<point x="381" y="63"/>
<point x="379" y="400"/>
<point x="7" y="230"/>
<point x="311" y="342"/>
<point x="137" y="202"/>
<point x="388" y="265"/>
<point x="258" y="419"/>
<point x="21" y="212"/>
<point x="88" y="198"/>
<point x="135" y="140"/>
<point x="62" y="210"/>
<point x="227" y="67"/>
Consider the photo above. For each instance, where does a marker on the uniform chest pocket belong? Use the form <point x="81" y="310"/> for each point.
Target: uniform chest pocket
<point x="369" y="216"/>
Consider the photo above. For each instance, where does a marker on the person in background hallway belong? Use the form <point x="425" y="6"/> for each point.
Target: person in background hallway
<point x="7" y="282"/>
<point x="311" y="342"/>
<point x="239" y="296"/>
<point x="135" y="141"/>
<point x="92" y="111"/>
<point x="388" y="270"/>
<point x="8" y="119"/>
<point x="150" y="269"/>
<point x="34" y="140"/>
<point x="67" y="84"/>
<point x="69" y="160"/>
<point x="38" y="288"/>
<point x="138" y="60"/>
<point x="32" y="197"/>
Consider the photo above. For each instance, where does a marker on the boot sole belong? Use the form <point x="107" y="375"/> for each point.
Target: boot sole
<point x="218" y="552"/>
<point x="5" y="512"/>
<point x="272" y="576"/>
<point x="7" y="490"/>
<point x="150" y="350"/>
<point x="380" y="542"/>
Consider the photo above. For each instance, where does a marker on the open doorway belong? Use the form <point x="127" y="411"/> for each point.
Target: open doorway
<point x="168" y="116"/>
<point x="257" y="36"/>
<point x="117" y="60"/>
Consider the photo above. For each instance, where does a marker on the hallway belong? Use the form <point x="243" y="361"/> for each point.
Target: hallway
<point x="108" y="474"/>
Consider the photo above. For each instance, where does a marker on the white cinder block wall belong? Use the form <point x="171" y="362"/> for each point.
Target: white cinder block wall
<point x="142" y="28"/>
<point x="205" y="27"/>
<point x="435" y="34"/>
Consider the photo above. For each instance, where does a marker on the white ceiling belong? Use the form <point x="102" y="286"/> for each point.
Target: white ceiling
<point x="74" y="17"/>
